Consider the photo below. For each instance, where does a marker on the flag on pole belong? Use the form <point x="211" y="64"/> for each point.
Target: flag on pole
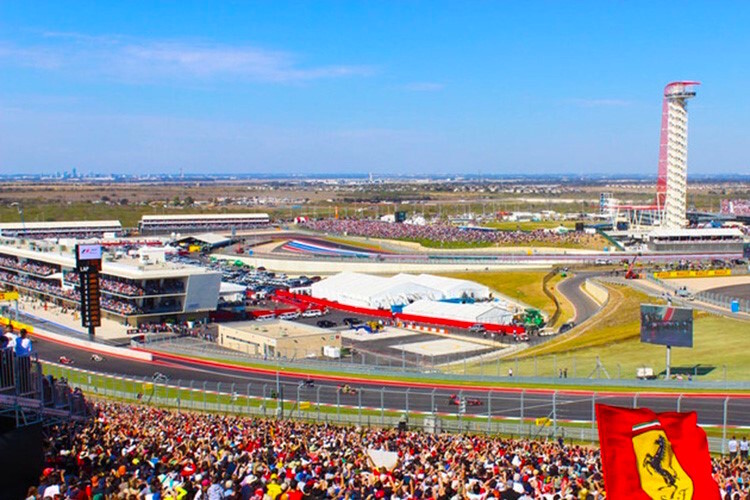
<point x="654" y="456"/>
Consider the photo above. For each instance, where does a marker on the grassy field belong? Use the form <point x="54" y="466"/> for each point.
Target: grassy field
<point x="613" y="336"/>
<point x="525" y="286"/>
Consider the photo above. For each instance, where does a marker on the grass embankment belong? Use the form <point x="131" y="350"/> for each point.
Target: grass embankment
<point x="525" y="286"/>
<point x="614" y="337"/>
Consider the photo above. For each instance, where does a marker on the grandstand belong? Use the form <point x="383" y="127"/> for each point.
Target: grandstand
<point x="152" y="224"/>
<point x="63" y="229"/>
<point x="695" y="240"/>
<point x="133" y="290"/>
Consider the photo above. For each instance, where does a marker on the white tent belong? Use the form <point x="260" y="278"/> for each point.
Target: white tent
<point x="486" y="312"/>
<point x="364" y="290"/>
<point x="448" y="288"/>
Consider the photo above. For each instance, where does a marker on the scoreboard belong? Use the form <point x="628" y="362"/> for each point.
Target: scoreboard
<point x="88" y="265"/>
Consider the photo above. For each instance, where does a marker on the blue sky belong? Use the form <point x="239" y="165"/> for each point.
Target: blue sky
<point x="381" y="86"/>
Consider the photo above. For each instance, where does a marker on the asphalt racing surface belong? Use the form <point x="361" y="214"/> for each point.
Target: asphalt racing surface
<point x="736" y="291"/>
<point x="585" y="307"/>
<point x="571" y="405"/>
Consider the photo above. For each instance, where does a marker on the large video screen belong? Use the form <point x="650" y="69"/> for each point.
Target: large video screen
<point x="667" y="325"/>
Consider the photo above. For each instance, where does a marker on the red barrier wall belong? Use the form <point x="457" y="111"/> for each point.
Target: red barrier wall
<point x="427" y="320"/>
<point x="452" y="323"/>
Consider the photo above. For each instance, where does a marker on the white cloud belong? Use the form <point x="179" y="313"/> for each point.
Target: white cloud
<point x="424" y="86"/>
<point x="149" y="61"/>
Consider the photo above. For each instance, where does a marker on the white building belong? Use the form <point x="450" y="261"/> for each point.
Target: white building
<point x="133" y="290"/>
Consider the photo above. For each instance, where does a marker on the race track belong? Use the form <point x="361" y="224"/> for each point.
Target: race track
<point x="571" y="405"/>
<point x="584" y="306"/>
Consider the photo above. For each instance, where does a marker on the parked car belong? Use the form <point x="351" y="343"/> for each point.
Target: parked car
<point x="312" y="313"/>
<point x="351" y="321"/>
<point x="566" y="326"/>
<point x="477" y="328"/>
<point x="326" y="323"/>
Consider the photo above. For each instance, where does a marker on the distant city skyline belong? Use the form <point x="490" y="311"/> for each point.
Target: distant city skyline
<point x="417" y="88"/>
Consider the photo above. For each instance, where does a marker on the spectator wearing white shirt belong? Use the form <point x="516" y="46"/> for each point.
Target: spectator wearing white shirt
<point x="744" y="445"/>
<point x="732" y="447"/>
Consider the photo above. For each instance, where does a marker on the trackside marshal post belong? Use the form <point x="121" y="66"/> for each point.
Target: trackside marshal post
<point x="88" y="265"/>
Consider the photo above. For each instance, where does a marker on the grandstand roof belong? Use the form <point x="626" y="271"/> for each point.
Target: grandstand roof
<point x="75" y="224"/>
<point x="694" y="233"/>
<point x="208" y="238"/>
<point x="202" y="217"/>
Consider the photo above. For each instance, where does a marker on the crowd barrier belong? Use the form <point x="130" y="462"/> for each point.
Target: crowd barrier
<point x="93" y="346"/>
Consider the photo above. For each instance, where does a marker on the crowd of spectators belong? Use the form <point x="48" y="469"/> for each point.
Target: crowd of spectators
<point x="443" y="233"/>
<point x="55" y="290"/>
<point x="183" y="328"/>
<point x="132" y="289"/>
<point x="130" y="451"/>
<point x="735" y="207"/>
<point x="28" y="266"/>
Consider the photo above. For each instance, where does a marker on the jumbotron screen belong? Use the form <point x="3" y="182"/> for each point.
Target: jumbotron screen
<point x="667" y="325"/>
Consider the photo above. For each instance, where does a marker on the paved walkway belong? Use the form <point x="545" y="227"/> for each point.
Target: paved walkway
<point x="71" y="320"/>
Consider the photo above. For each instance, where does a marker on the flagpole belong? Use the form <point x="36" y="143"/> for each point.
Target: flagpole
<point x="669" y="359"/>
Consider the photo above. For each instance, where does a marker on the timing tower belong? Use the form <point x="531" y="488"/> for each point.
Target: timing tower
<point x="671" y="185"/>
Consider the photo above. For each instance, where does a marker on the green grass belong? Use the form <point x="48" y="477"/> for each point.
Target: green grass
<point x="613" y="336"/>
<point x="525" y="286"/>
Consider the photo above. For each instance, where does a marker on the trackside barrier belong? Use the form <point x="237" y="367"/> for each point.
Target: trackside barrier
<point x="516" y="415"/>
<point x="413" y="318"/>
<point x="93" y="346"/>
<point x="380" y="313"/>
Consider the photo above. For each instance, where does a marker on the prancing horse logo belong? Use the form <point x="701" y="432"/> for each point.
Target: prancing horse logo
<point x="662" y="476"/>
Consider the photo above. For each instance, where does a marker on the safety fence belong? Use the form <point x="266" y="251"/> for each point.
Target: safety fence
<point x="722" y="300"/>
<point x="29" y="395"/>
<point x="485" y="365"/>
<point x="516" y="414"/>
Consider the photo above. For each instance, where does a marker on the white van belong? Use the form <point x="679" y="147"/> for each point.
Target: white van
<point x="312" y="313"/>
<point x="289" y="315"/>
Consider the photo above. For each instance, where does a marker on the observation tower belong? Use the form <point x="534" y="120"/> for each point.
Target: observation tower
<point x="671" y="184"/>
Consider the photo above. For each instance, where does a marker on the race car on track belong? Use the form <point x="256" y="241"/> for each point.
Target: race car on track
<point x="453" y="399"/>
<point x="64" y="360"/>
<point x="347" y="389"/>
<point x="97" y="358"/>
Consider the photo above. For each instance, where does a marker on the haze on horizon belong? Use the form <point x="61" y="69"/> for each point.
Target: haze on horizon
<point x="384" y="87"/>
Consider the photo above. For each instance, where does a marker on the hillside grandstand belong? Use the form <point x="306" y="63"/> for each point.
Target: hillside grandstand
<point x="62" y="229"/>
<point x="151" y="224"/>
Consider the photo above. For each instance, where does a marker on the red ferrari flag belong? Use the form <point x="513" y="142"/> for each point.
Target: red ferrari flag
<point x="654" y="456"/>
